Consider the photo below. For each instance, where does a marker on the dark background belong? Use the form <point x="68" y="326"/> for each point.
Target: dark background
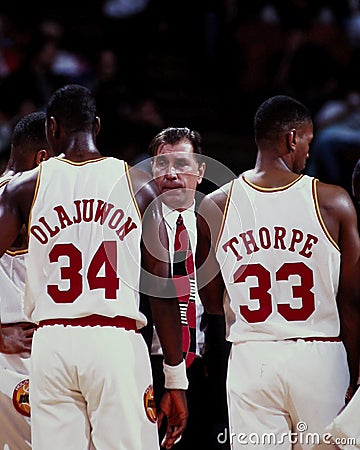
<point x="203" y="64"/>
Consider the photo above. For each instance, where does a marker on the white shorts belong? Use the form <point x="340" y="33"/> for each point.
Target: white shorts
<point x="15" y="433"/>
<point x="345" y="428"/>
<point x="89" y="387"/>
<point x="283" y="394"/>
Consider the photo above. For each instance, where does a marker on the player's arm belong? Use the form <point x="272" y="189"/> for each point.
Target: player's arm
<point x="166" y="317"/>
<point x="156" y="281"/>
<point x="157" y="284"/>
<point x="10" y="218"/>
<point x="209" y="279"/>
<point x="12" y="207"/>
<point x="349" y="288"/>
<point x="340" y="217"/>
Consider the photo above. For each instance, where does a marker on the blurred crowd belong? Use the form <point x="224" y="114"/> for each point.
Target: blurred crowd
<point x="234" y="52"/>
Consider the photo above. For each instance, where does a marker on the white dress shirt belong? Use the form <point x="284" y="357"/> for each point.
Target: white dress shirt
<point x="189" y="218"/>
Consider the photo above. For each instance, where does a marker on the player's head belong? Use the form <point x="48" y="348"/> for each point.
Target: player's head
<point x="356" y="182"/>
<point x="285" y="123"/>
<point x="71" y="110"/>
<point x="177" y="165"/>
<point x="29" y="145"/>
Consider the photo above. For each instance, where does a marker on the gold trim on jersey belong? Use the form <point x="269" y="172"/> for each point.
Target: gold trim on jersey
<point x="224" y="216"/>
<point x="131" y="189"/>
<point x="264" y="189"/>
<point x="318" y="214"/>
<point x="36" y="191"/>
<point x="17" y="252"/>
<point x="80" y="163"/>
<point x="4" y="182"/>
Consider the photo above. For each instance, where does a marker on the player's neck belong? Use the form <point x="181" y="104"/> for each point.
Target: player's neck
<point x="82" y="154"/>
<point x="270" y="175"/>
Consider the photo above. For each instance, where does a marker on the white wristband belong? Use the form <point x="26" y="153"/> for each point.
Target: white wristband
<point x="175" y="376"/>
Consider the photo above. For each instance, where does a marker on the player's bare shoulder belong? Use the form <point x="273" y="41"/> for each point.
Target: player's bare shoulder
<point x="216" y="199"/>
<point x="20" y="190"/>
<point x="337" y="210"/>
<point x="212" y="209"/>
<point x="333" y="199"/>
<point x="144" y="187"/>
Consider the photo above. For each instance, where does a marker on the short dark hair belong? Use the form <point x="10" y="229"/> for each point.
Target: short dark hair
<point x="277" y="115"/>
<point x="174" y="135"/>
<point x="74" y="107"/>
<point x="29" y="131"/>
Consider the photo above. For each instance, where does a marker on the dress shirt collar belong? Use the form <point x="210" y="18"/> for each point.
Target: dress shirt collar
<point x="171" y="216"/>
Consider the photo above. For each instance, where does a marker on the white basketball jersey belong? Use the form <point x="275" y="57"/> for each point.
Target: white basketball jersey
<point x="84" y="242"/>
<point x="12" y="279"/>
<point x="279" y="264"/>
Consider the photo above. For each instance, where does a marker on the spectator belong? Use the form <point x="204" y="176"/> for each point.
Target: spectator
<point x="29" y="87"/>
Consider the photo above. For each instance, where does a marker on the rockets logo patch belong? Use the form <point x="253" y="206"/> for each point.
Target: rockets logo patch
<point x="149" y="404"/>
<point x="21" y="398"/>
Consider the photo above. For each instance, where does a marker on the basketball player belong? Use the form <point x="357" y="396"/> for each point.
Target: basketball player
<point x="28" y="148"/>
<point x="89" y="222"/>
<point x="286" y="249"/>
<point x="345" y="428"/>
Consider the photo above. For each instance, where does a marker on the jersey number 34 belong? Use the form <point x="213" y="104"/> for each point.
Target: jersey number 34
<point x="105" y="255"/>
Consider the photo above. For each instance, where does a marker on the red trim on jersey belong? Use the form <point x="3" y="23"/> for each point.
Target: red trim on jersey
<point x="92" y="321"/>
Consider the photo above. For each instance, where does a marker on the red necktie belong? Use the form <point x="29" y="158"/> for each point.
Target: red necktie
<point x="184" y="280"/>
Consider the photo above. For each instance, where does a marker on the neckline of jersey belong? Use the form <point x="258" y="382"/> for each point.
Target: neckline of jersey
<point x="274" y="189"/>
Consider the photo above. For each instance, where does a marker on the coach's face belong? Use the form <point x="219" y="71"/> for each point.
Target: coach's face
<point x="177" y="173"/>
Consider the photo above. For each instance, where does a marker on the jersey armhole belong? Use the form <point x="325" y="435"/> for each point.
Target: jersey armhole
<point x="131" y="189"/>
<point x="318" y="214"/>
<point x="36" y="191"/>
<point x="224" y="216"/>
<point x="4" y="182"/>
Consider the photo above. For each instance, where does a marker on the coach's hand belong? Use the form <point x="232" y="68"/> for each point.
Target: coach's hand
<point x="16" y="338"/>
<point x="173" y="405"/>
